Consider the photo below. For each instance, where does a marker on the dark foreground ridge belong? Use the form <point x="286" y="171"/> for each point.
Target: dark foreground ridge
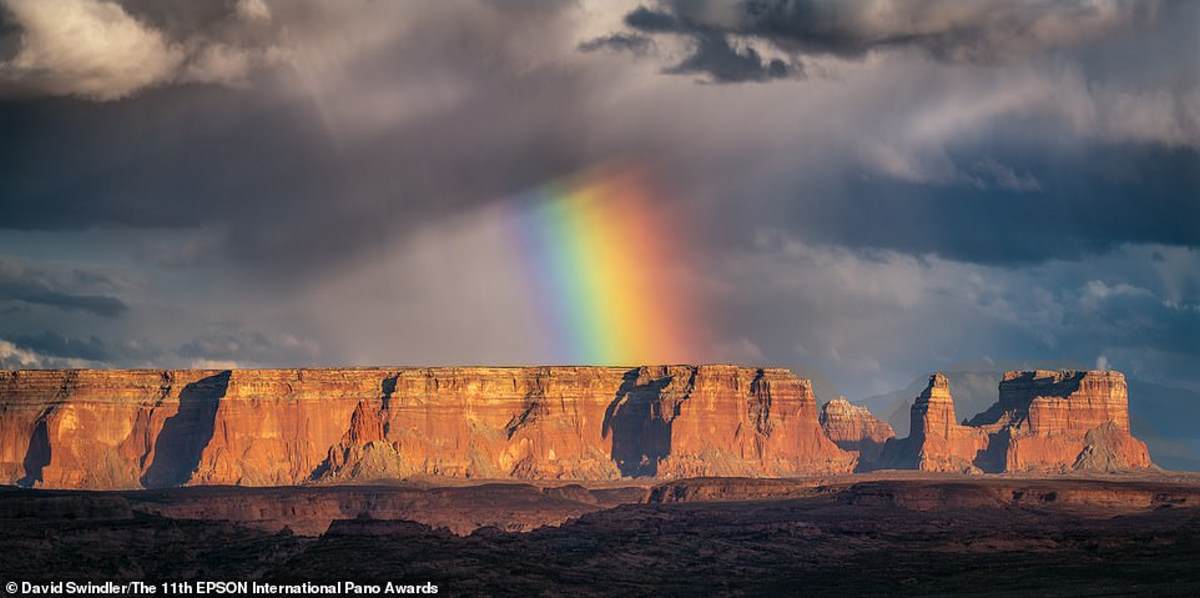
<point x="893" y="534"/>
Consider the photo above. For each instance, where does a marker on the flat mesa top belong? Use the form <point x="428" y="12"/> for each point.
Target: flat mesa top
<point x="403" y="368"/>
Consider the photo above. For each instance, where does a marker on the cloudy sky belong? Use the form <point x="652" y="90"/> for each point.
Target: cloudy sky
<point x="869" y="190"/>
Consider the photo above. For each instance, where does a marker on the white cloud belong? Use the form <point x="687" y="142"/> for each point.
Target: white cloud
<point x="86" y="48"/>
<point x="253" y="10"/>
<point x="95" y="49"/>
<point x="14" y="357"/>
<point x="1095" y="292"/>
<point x="227" y="64"/>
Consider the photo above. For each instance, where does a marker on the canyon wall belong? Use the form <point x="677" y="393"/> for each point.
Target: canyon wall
<point x="1044" y="421"/>
<point x="107" y="429"/>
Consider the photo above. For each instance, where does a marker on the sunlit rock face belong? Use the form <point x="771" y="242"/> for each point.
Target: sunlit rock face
<point x="1065" y="419"/>
<point x="941" y="443"/>
<point x="1044" y="421"/>
<point x="853" y="428"/>
<point x="107" y="429"/>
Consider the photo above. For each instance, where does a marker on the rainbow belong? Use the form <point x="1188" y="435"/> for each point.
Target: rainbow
<point x="602" y="266"/>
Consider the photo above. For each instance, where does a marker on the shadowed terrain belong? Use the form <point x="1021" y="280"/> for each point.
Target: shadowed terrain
<point x="184" y="435"/>
<point x="579" y="480"/>
<point x="885" y="533"/>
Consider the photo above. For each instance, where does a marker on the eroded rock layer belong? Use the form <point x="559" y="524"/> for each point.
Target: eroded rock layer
<point x="108" y="429"/>
<point x="1044" y="421"/>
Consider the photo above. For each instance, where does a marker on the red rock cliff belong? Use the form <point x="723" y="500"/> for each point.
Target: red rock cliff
<point x="1044" y="421"/>
<point x="854" y="429"/>
<point x="153" y="428"/>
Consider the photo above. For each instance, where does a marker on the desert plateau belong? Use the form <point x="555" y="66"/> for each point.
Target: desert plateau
<point x="655" y="480"/>
<point x="573" y="298"/>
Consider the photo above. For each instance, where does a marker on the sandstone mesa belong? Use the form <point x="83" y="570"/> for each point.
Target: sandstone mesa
<point x="123" y="429"/>
<point x="1044" y="421"/>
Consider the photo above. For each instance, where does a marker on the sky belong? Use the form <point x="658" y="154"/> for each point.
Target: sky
<point x="863" y="191"/>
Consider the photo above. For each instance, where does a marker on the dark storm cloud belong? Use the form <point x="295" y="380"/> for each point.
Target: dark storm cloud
<point x="64" y="291"/>
<point x="637" y="44"/>
<point x="245" y="347"/>
<point x="714" y="56"/>
<point x="10" y="35"/>
<point x="948" y="30"/>
<point x="1123" y="315"/>
<point x="988" y="31"/>
<point x="175" y="158"/>
<point x="307" y="182"/>
<point x="1080" y="203"/>
<point x="251" y="347"/>
<point x="56" y="345"/>
<point x="290" y="170"/>
<point x="298" y="182"/>
<point x="712" y="53"/>
<point x="856" y="314"/>
<point x="108" y="307"/>
<point x="654" y="21"/>
<point x="181" y="19"/>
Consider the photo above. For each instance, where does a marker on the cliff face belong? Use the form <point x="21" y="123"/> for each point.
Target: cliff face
<point x="1046" y="421"/>
<point x="103" y="428"/>
<point x="854" y="429"/>
<point x="941" y="443"/>
<point x="152" y="428"/>
<point x="1050" y="415"/>
<point x="587" y="423"/>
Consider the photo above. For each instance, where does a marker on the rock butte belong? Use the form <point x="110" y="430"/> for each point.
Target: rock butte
<point x="1044" y="421"/>
<point x="117" y="429"/>
<point x="854" y="429"/>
